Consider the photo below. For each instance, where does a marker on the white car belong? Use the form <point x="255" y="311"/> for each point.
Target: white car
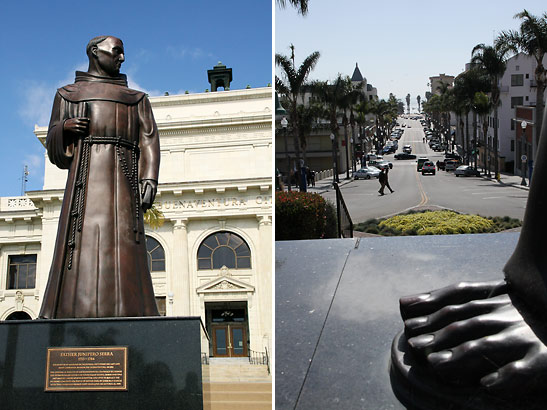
<point x="366" y="173"/>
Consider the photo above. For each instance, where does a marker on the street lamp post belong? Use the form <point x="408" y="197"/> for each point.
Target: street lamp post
<point x="353" y="164"/>
<point x="523" y="157"/>
<point x="284" y="124"/>
<point x="334" y="159"/>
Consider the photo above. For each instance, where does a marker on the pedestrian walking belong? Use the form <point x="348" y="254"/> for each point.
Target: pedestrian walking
<point x="387" y="181"/>
<point x="382" y="180"/>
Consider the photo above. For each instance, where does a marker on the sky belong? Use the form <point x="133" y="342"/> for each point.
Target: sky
<point x="397" y="44"/>
<point x="169" y="46"/>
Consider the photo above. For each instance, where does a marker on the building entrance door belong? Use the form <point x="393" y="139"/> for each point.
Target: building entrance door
<point x="229" y="341"/>
<point x="228" y="326"/>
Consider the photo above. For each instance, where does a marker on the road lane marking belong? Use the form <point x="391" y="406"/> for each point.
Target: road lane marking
<point x="425" y="199"/>
<point x="493" y="197"/>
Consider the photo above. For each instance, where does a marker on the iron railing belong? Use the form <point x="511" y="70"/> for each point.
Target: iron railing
<point x="345" y="225"/>
<point x="260" y="358"/>
<point x="204" y="358"/>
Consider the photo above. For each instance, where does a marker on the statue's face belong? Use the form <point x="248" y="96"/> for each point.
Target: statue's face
<point x="110" y="55"/>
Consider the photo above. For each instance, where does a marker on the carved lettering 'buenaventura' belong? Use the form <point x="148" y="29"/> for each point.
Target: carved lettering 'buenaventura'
<point x="213" y="203"/>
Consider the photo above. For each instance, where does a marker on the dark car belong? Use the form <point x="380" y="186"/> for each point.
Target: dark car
<point x="428" y="168"/>
<point x="404" y="155"/>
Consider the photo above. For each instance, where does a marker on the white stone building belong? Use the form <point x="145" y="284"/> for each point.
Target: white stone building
<point x="517" y="88"/>
<point x="213" y="256"/>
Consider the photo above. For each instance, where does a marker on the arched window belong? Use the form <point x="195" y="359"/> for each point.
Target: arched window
<point x="224" y="249"/>
<point x="156" y="255"/>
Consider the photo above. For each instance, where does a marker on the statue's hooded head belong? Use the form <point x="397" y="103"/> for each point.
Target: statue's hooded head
<point x="106" y="55"/>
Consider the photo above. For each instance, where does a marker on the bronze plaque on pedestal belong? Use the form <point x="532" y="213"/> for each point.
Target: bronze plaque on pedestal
<point x="86" y="368"/>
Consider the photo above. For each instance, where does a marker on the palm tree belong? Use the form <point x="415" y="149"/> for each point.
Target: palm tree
<point x="532" y="41"/>
<point x="408" y="103"/>
<point x="154" y="218"/>
<point x="446" y="103"/>
<point x="482" y="106"/>
<point x="291" y="88"/>
<point x="494" y="62"/>
<point x="334" y="96"/>
<point x="465" y="86"/>
<point x="419" y="99"/>
<point x="300" y="5"/>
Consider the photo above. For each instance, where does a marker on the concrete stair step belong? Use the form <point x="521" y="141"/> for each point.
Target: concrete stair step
<point x="238" y="387"/>
<point x="238" y="405"/>
<point x="237" y="396"/>
<point x="235" y="373"/>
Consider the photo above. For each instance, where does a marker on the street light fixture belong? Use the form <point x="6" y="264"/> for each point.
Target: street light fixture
<point x="284" y="125"/>
<point x="523" y="157"/>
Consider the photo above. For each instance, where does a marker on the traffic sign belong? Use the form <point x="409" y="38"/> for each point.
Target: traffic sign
<point x="523" y="158"/>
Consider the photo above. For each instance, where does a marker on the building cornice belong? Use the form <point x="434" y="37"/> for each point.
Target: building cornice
<point x="211" y="97"/>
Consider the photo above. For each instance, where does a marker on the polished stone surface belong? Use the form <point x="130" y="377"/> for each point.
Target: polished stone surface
<point x="337" y="309"/>
<point x="164" y="358"/>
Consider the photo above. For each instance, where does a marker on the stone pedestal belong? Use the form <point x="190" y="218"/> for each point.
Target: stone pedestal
<point x="163" y="367"/>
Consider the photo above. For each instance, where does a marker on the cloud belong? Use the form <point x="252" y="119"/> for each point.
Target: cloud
<point x="38" y="98"/>
<point x="135" y="86"/>
<point x="33" y="161"/>
<point x="37" y="103"/>
<point x="194" y="53"/>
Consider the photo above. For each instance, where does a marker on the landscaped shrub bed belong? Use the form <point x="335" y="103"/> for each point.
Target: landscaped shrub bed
<point x="443" y="222"/>
<point x="303" y="215"/>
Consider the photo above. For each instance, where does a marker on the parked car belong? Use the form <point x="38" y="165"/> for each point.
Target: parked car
<point x="380" y="164"/>
<point x="366" y="173"/>
<point x="450" y="164"/>
<point x="404" y="155"/>
<point x="428" y="168"/>
<point x="453" y="155"/>
<point x="467" y="171"/>
<point x="421" y="161"/>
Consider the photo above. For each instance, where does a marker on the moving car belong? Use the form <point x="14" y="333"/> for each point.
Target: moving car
<point x="407" y="149"/>
<point x="466" y="171"/>
<point x="428" y="168"/>
<point x="404" y="155"/>
<point x="366" y="173"/>
<point x="421" y="161"/>
<point x="380" y="164"/>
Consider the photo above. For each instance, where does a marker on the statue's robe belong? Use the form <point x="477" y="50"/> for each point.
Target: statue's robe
<point x="100" y="266"/>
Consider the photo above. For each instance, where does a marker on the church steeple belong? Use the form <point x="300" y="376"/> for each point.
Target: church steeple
<point x="356" y="77"/>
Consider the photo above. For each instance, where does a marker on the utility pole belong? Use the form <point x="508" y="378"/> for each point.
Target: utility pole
<point x="24" y="180"/>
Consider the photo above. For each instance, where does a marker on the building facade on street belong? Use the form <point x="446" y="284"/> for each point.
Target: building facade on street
<point x="212" y="257"/>
<point x="321" y="150"/>
<point x="518" y="88"/>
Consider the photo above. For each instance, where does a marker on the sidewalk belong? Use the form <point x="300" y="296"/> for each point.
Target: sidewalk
<point x="509" y="180"/>
<point x="325" y="185"/>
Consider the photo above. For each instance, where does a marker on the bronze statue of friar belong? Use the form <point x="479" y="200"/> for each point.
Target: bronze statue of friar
<point x="104" y="133"/>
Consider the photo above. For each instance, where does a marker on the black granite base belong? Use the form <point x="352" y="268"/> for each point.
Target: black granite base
<point x="163" y="372"/>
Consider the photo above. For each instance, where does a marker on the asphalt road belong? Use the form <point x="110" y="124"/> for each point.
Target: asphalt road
<point x="469" y="195"/>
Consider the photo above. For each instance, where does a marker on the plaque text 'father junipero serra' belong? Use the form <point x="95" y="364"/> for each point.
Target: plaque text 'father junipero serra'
<point x="86" y="368"/>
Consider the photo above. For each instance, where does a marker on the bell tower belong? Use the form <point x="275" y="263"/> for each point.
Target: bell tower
<point x="220" y="76"/>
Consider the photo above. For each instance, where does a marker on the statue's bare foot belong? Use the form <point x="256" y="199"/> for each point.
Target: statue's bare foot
<point x="471" y="333"/>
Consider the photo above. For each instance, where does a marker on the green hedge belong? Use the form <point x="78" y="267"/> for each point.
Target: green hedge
<point x="436" y="223"/>
<point x="303" y="215"/>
